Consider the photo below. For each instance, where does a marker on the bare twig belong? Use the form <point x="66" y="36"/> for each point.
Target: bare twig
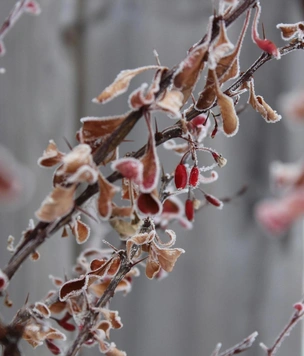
<point x="295" y="318"/>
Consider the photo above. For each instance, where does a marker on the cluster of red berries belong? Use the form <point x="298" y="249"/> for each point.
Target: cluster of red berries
<point x="182" y="180"/>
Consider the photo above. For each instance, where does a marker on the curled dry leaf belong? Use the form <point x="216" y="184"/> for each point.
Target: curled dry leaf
<point x="94" y="128"/>
<point x="105" y="197"/>
<point x="72" y="288"/>
<point x="51" y="156"/>
<point x="149" y="204"/>
<point x="226" y="105"/>
<point x="120" y="84"/>
<point x="81" y="231"/>
<point x="221" y="47"/>
<point x="78" y="157"/>
<point x="259" y="105"/>
<point x="150" y="163"/>
<point x="59" y="203"/>
<point x="292" y="31"/>
<point x="170" y="103"/>
<point x="188" y="72"/>
<point x="42" y="310"/>
<point x="227" y="68"/>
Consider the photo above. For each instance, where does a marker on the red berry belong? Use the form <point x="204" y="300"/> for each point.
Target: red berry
<point x="194" y="176"/>
<point x="189" y="209"/>
<point x="180" y="176"/>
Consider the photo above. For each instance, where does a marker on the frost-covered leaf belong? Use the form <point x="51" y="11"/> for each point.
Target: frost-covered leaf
<point x="94" y="128"/>
<point x="170" y="103"/>
<point x="72" y="288"/>
<point x="150" y="163"/>
<point x="188" y="72"/>
<point x="57" y="204"/>
<point x="120" y="84"/>
<point x="106" y="195"/>
<point x="259" y="105"/>
<point x="51" y="156"/>
<point x="81" y="231"/>
<point x="292" y="31"/>
<point x="226" y="105"/>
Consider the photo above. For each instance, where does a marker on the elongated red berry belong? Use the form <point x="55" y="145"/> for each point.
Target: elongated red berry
<point x="189" y="209"/>
<point x="180" y="176"/>
<point x="214" y="201"/>
<point x="194" y="176"/>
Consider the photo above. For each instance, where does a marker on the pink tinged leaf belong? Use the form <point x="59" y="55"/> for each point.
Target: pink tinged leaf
<point x="42" y="310"/>
<point x="59" y="203"/>
<point x="170" y="103"/>
<point x="4" y="281"/>
<point x="150" y="162"/>
<point x="180" y="176"/>
<point x="2" y="49"/>
<point x="32" y="7"/>
<point x="55" y="350"/>
<point x="149" y="204"/>
<point x="94" y="128"/>
<point x="189" y="209"/>
<point x="226" y="105"/>
<point x="120" y="84"/>
<point x="106" y="195"/>
<point x="265" y="45"/>
<point x="278" y="215"/>
<point x="81" y="231"/>
<point x="65" y="324"/>
<point x="214" y="201"/>
<point x="259" y="105"/>
<point x="194" y="176"/>
<point x="130" y="168"/>
<point x="72" y="288"/>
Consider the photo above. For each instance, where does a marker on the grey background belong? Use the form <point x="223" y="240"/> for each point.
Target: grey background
<point x="233" y="279"/>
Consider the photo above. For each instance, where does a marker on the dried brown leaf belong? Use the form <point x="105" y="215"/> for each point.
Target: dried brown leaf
<point x="59" y="203"/>
<point x="226" y="105"/>
<point x="259" y="105"/>
<point x="94" y="128"/>
<point x="120" y="84"/>
<point x="51" y="156"/>
<point x="106" y="195"/>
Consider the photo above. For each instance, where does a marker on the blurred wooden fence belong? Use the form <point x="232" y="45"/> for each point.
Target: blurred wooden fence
<point x="232" y="280"/>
